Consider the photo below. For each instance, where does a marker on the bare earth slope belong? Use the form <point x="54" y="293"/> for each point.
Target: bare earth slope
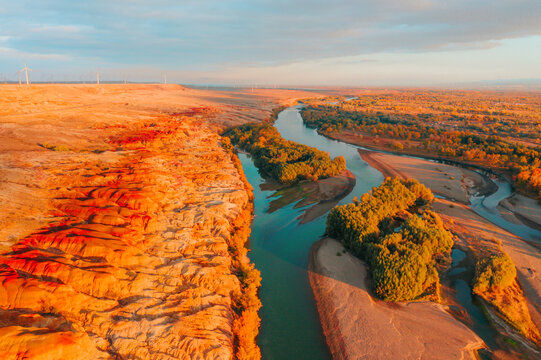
<point x="135" y="260"/>
<point x="118" y="209"/>
<point x="358" y="326"/>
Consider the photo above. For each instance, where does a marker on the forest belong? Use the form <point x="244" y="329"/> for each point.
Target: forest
<point x="401" y="247"/>
<point x="485" y="131"/>
<point x="285" y="161"/>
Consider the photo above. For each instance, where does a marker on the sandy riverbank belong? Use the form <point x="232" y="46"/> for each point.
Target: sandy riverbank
<point x="471" y="228"/>
<point x="449" y="181"/>
<point x="318" y="196"/>
<point x="526" y="209"/>
<point x="359" y="326"/>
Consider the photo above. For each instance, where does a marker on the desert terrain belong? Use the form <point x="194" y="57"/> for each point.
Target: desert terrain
<point x="124" y="222"/>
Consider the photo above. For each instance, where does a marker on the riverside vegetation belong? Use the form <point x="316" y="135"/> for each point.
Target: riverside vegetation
<point x="402" y="248"/>
<point x="246" y="302"/>
<point x="496" y="283"/>
<point x="285" y="161"/>
<point x="498" y="131"/>
<point x="405" y="244"/>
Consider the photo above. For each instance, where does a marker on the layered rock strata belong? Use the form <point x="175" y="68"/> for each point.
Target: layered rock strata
<point x="135" y="260"/>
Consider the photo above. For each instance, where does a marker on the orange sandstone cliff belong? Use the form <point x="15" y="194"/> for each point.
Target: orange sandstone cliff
<point x="124" y="241"/>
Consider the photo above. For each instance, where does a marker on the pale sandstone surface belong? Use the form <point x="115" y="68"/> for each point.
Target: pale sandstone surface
<point x="114" y="242"/>
<point x="135" y="262"/>
<point x="359" y="326"/>
<point x="82" y="118"/>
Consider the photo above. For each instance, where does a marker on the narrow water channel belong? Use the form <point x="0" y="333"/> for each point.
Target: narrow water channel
<point x="487" y="207"/>
<point x="460" y="280"/>
<point x="290" y="327"/>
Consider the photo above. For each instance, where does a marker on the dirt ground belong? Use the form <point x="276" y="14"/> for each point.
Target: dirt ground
<point x="359" y="326"/>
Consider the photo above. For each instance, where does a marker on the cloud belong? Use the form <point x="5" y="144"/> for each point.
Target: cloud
<point x="14" y="53"/>
<point x="58" y="30"/>
<point x="213" y="34"/>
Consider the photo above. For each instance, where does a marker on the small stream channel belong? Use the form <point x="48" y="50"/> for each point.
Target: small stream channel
<point x="460" y="277"/>
<point x="290" y="327"/>
<point x="487" y="207"/>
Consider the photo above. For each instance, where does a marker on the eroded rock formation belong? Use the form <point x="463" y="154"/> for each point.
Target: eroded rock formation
<point x="135" y="260"/>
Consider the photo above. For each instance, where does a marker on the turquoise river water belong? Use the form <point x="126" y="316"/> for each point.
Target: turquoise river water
<point x="290" y="327"/>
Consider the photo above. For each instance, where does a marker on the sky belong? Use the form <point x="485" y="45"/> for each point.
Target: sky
<point x="278" y="42"/>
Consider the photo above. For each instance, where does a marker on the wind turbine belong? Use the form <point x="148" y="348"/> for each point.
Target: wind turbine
<point x="165" y="78"/>
<point x="25" y="69"/>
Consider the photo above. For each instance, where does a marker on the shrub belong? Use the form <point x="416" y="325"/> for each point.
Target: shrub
<point x="402" y="260"/>
<point x="494" y="272"/>
<point x="54" y="147"/>
<point x="283" y="160"/>
<point x="399" y="274"/>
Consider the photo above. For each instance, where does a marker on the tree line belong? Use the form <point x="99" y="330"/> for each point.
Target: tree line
<point x="413" y="130"/>
<point x="285" y="161"/>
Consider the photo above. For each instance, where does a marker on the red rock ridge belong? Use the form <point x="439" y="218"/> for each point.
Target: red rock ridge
<point x="135" y="260"/>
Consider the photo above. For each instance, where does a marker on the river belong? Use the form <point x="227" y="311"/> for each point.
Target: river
<point x="290" y="327"/>
<point x="487" y="207"/>
<point x="280" y="245"/>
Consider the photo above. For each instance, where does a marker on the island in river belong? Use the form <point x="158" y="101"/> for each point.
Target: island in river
<point x="357" y="325"/>
<point x="330" y="272"/>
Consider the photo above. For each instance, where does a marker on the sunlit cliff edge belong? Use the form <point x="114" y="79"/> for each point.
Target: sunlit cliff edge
<point x="122" y="221"/>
